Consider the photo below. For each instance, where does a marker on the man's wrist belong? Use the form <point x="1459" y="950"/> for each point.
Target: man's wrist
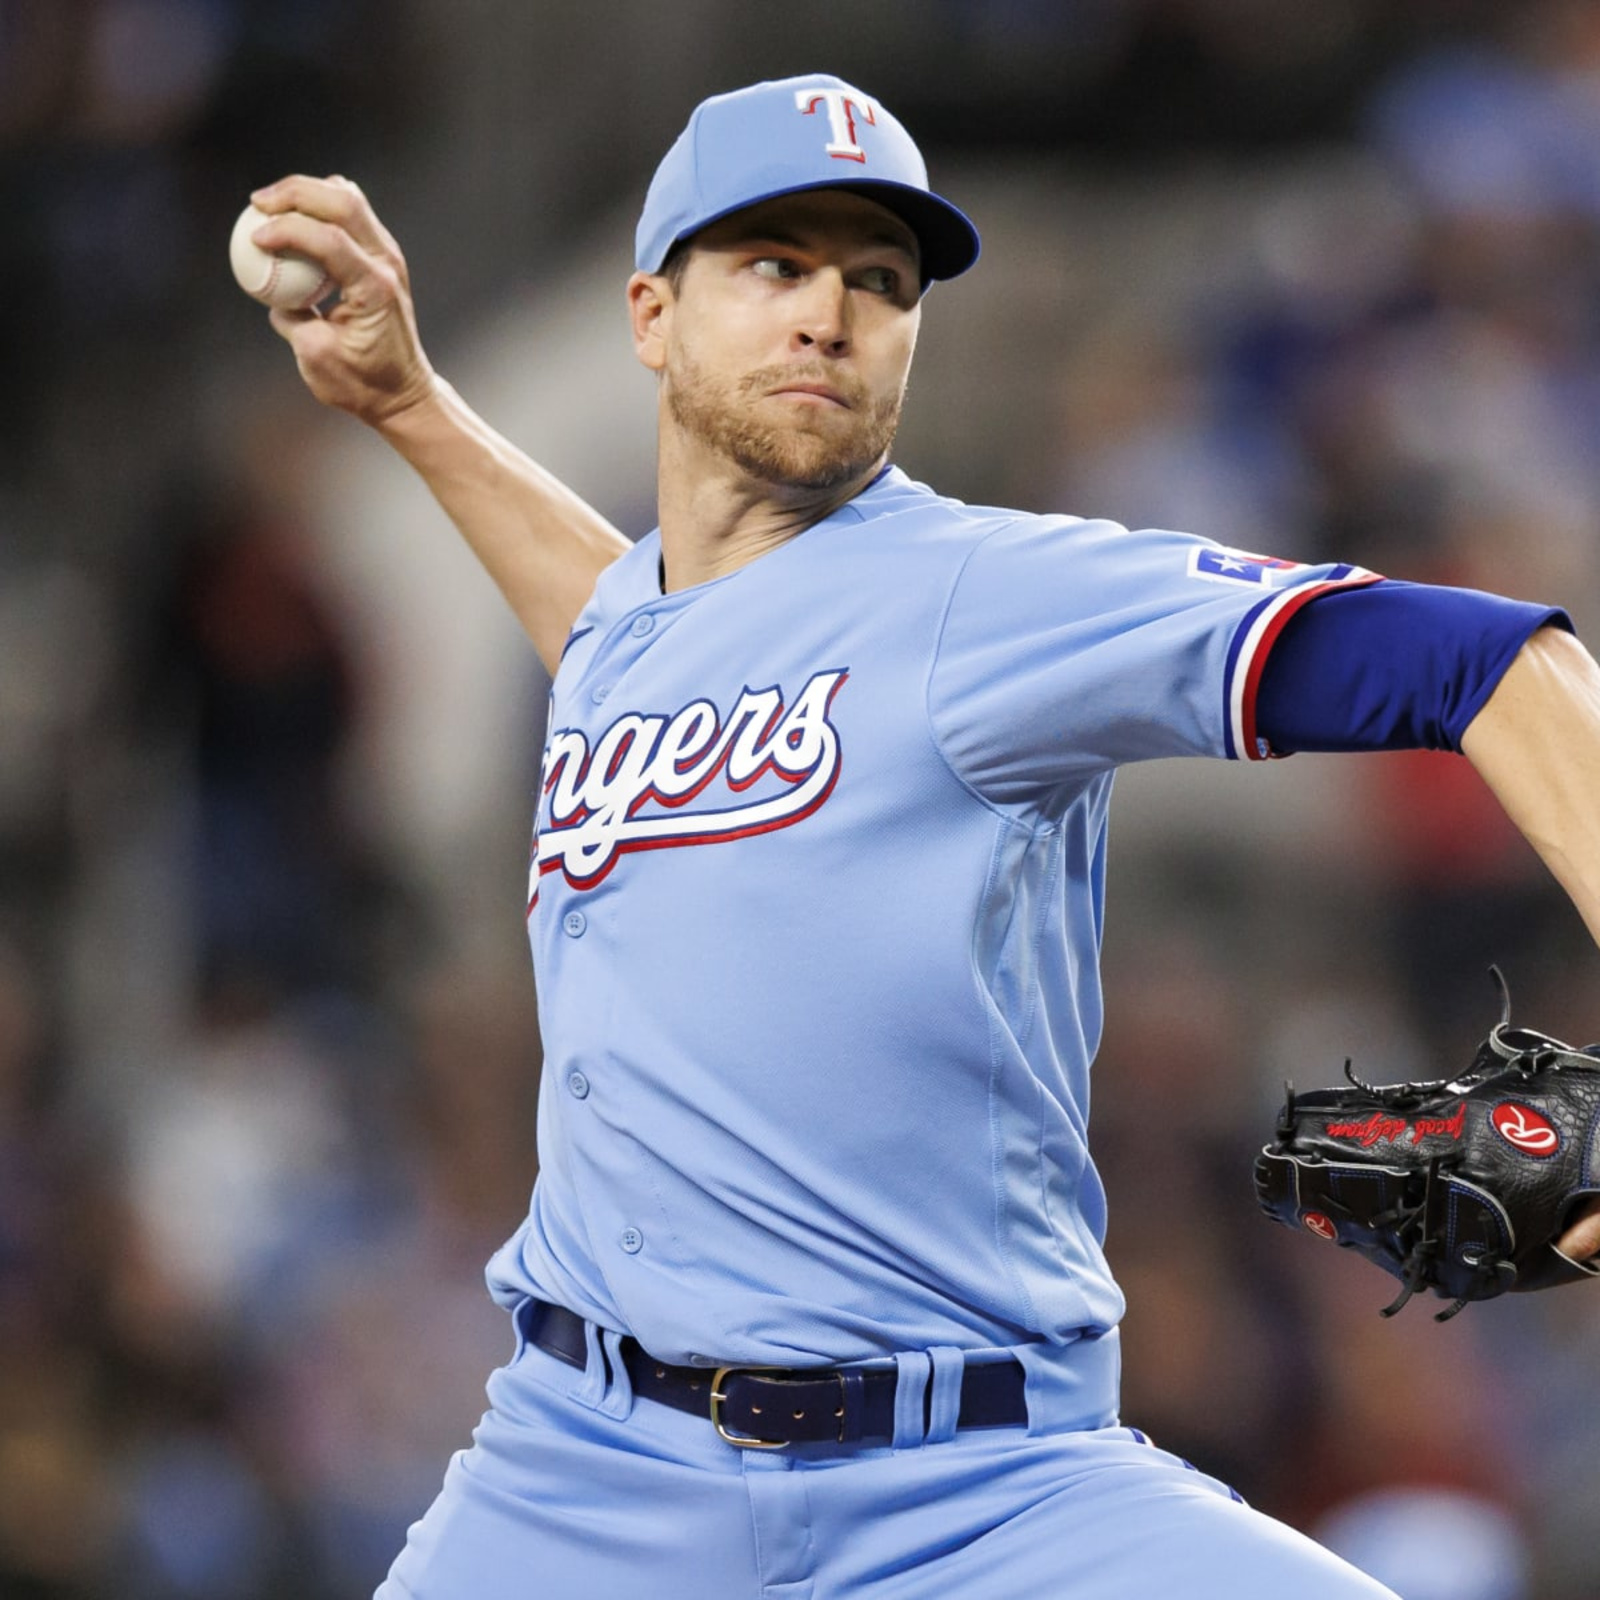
<point x="421" y="417"/>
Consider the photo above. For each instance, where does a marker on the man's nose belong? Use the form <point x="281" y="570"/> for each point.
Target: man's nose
<point x="822" y="319"/>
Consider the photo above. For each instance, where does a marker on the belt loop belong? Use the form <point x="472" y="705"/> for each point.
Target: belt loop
<point x="524" y="1324"/>
<point x="913" y="1367"/>
<point x="944" y="1399"/>
<point x="618" y="1398"/>
<point x="593" y="1388"/>
<point x="854" y="1386"/>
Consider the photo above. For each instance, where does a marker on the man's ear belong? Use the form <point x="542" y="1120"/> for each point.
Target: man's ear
<point x="650" y="302"/>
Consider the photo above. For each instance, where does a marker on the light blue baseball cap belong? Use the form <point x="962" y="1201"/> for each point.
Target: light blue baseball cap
<point x="815" y="132"/>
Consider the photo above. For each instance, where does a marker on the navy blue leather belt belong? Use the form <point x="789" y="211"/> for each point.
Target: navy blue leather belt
<point x="769" y="1407"/>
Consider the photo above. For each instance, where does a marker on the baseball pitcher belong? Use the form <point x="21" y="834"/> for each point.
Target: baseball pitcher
<point x="810" y="1299"/>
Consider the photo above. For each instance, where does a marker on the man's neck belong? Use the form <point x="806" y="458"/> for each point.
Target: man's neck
<point x="716" y="518"/>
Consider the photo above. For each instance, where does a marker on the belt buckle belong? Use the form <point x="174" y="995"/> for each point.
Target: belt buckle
<point x="743" y="1441"/>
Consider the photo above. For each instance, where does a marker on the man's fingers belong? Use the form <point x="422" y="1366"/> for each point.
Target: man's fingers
<point x="1582" y="1239"/>
<point x="370" y="229"/>
<point x="286" y="323"/>
<point x="364" y="279"/>
<point x="314" y="340"/>
<point x="335" y="200"/>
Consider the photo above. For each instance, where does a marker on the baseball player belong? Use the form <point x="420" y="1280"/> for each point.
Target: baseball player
<point x="810" y="1300"/>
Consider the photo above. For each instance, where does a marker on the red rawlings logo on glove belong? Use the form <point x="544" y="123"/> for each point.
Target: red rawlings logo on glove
<point x="1524" y="1129"/>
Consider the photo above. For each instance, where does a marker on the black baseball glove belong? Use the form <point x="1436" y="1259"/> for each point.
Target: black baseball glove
<point x="1459" y="1186"/>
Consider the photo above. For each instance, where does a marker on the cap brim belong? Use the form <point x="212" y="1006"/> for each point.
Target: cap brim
<point x="946" y="238"/>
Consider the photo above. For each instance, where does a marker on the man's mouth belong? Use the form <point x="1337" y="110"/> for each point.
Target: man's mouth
<point x="812" y="391"/>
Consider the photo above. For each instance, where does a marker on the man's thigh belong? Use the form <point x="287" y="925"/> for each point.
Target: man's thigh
<point x="1101" y="1514"/>
<point x="555" y="1499"/>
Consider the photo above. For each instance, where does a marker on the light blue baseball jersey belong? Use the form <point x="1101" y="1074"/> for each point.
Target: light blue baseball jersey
<point x="816" y="909"/>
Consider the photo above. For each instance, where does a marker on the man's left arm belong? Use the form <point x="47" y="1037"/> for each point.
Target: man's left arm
<point x="1536" y="743"/>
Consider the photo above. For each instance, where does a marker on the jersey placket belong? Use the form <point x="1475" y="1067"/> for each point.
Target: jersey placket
<point x="574" y="934"/>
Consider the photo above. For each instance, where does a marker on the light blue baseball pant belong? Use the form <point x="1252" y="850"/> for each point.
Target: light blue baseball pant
<point x="572" y="1490"/>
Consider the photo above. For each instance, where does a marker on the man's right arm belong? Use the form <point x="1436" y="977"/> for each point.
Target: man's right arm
<point x="542" y="545"/>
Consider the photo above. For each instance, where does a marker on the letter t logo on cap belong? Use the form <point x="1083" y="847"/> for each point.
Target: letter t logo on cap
<point x="842" y="109"/>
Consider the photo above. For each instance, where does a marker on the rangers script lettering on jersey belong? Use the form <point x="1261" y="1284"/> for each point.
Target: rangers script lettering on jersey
<point x="594" y="798"/>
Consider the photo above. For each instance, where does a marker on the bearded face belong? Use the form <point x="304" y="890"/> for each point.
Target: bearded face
<point x="783" y="338"/>
<point x="757" y="421"/>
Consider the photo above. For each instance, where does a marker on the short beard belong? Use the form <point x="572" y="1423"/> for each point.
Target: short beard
<point x="815" y="454"/>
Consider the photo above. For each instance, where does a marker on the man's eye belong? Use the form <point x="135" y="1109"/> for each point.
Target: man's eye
<point x="775" y="267"/>
<point x="881" y="280"/>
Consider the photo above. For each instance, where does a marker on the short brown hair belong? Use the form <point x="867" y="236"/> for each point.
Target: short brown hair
<point x="676" y="264"/>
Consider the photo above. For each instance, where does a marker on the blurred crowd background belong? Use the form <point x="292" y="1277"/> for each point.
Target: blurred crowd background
<point x="1318" y="280"/>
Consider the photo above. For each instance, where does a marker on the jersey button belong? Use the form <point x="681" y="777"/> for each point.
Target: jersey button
<point x="643" y="625"/>
<point x="631" y="1241"/>
<point x="599" y="693"/>
<point x="573" y="924"/>
<point x="578" y="1085"/>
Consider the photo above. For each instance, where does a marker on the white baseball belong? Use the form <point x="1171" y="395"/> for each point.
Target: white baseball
<point x="282" y="278"/>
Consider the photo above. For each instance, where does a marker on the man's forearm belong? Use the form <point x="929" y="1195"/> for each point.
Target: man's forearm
<point x="1536" y="743"/>
<point x="541" y="543"/>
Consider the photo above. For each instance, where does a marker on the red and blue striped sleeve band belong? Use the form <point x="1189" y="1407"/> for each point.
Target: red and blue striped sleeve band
<point x="1253" y="642"/>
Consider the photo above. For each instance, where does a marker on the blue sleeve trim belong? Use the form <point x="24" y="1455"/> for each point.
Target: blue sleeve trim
<point x="1392" y="666"/>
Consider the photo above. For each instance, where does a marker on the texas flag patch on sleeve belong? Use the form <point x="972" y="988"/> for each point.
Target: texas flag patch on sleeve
<point x="1222" y="565"/>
